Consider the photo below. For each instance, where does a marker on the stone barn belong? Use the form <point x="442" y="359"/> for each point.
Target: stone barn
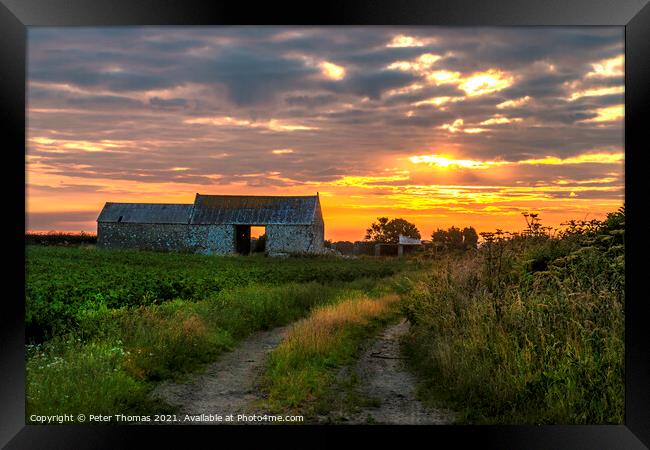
<point x="215" y="224"/>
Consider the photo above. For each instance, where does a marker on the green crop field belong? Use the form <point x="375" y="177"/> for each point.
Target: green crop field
<point x="63" y="283"/>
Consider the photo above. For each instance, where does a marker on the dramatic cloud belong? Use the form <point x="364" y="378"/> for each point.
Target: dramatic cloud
<point x="442" y="126"/>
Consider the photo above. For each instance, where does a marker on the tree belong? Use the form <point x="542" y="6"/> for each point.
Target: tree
<point x="260" y="244"/>
<point x="470" y="238"/>
<point x="387" y="231"/>
<point x="439" y="238"/>
<point x="455" y="239"/>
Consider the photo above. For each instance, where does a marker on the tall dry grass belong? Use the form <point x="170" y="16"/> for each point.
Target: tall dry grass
<point x="302" y="368"/>
<point x="318" y="333"/>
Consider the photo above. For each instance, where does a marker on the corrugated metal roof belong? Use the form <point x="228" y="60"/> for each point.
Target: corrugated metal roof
<point x="253" y="210"/>
<point x="145" y="213"/>
<point x="406" y="240"/>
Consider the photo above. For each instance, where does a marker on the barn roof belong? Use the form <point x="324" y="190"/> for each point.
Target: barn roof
<point x="254" y="210"/>
<point x="145" y="213"/>
<point x="406" y="240"/>
<point x="218" y="210"/>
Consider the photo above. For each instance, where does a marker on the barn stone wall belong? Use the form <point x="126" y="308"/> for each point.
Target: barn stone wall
<point x="214" y="239"/>
<point x="207" y="239"/>
<point x="294" y="238"/>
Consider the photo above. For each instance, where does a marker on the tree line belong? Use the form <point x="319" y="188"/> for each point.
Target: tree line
<point x="387" y="231"/>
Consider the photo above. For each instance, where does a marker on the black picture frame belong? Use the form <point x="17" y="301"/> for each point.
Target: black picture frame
<point x="634" y="15"/>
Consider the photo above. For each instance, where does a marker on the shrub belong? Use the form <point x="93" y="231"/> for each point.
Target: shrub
<point x="529" y="331"/>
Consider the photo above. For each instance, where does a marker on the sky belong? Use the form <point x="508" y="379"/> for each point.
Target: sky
<point x="440" y="126"/>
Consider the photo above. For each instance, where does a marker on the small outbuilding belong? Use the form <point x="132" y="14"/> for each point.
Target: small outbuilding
<point x="407" y="244"/>
<point x="219" y="224"/>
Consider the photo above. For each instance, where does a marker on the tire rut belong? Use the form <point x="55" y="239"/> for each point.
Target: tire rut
<point x="383" y="377"/>
<point x="227" y="386"/>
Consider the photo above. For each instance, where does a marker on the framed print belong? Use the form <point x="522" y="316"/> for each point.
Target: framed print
<point x="369" y="218"/>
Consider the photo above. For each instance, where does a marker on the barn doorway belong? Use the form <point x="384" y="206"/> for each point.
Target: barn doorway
<point x="243" y="239"/>
<point x="258" y="239"/>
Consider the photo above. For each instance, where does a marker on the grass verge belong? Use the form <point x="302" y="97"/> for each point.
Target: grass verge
<point x="302" y="370"/>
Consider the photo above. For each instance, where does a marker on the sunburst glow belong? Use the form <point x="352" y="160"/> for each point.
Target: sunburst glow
<point x="448" y="162"/>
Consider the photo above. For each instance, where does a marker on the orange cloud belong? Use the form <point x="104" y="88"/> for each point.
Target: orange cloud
<point x="608" y="114"/>
<point x="444" y="76"/>
<point x="514" y="103"/>
<point x="51" y="145"/>
<point x="475" y="84"/>
<point x="500" y="120"/>
<point x="612" y="67"/>
<point x="332" y="71"/>
<point x="595" y="92"/>
<point x="438" y="101"/>
<point x="405" y="41"/>
<point x="458" y="127"/>
<point x="421" y="64"/>
<point x="589" y="158"/>
<point x="487" y="82"/>
<point x="273" y="124"/>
